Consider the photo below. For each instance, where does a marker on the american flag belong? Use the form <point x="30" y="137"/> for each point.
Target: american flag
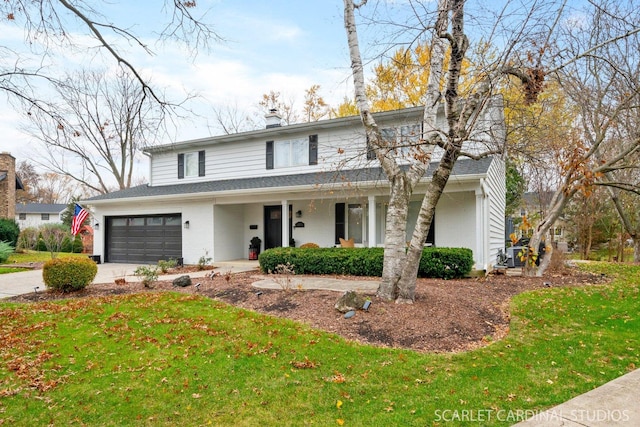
<point x="79" y="215"/>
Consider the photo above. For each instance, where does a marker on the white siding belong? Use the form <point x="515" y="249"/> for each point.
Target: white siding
<point x="35" y="220"/>
<point x="455" y="220"/>
<point x="497" y="199"/>
<point x="338" y="148"/>
<point x="228" y="221"/>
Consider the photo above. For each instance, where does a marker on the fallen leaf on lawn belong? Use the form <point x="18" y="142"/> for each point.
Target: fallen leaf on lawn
<point x="338" y="404"/>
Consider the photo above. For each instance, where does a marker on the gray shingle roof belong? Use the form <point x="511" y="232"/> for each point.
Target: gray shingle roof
<point x="37" y="208"/>
<point x="462" y="167"/>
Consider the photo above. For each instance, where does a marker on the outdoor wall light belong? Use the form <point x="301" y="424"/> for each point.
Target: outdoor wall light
<point x="96" y="226"/>
<point x="298" y="214"/>
<point x="186" y="224"/>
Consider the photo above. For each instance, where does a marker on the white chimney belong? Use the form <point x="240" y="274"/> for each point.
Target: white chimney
<point x="273" y="119"/>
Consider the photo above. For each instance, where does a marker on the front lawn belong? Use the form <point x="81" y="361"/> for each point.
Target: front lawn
<point x="6" y="270"/>
<point x="176" y="359"/>
<point x="37" y="256"/>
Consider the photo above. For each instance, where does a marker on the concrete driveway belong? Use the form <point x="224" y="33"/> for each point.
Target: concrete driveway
<point x="25" y="282"/>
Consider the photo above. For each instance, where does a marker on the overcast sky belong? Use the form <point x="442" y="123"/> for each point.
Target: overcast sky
<point x="284" y="46"/>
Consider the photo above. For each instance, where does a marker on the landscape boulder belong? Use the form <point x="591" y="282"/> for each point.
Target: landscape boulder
<point x="182" y="281"/>
<point x="349" y="301"/>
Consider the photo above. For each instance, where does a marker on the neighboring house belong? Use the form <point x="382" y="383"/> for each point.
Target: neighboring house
<point x="9" y="183"/>
<point x="37" y="214"/>
<point x="309" y="182"/>
<point x="533" y="207"/>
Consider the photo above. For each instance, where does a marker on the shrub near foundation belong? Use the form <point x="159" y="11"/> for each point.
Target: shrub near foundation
<point x="445" y="263"/>
<point x="69" y="274"/>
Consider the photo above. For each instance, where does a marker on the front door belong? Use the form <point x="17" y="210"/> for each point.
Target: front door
<point x="272" y="227"/>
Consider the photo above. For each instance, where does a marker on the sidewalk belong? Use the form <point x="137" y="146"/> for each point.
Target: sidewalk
<point x="616" y="403"/>
<point x="30" y="281"/>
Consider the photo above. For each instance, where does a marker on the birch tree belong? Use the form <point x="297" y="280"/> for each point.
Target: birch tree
<point x="526" y="53"/>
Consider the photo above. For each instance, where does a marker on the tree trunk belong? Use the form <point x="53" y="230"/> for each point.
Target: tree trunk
<point x="395" y="239"/>
<point x="556" y="206"/>
<point x="636" y="250"/>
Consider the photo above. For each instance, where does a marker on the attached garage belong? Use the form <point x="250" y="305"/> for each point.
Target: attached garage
<point x="143" y="239"/>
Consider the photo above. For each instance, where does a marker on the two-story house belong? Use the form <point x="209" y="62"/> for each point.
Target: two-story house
<point x="309" y="182"/>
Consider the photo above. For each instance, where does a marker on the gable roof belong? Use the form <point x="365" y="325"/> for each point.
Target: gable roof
<point x="412" y="113"/>
<point x="40" y="208"/>
<point x="463" y="167"/>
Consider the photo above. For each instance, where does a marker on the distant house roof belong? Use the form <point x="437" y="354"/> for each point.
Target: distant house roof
<point x="40" y="208"/>
<point x="461" y="168"/>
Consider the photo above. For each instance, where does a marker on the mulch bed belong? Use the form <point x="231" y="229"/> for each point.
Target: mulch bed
<point x="447" y="316"/>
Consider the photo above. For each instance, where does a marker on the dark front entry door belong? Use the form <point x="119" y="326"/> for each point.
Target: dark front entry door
<point x="272" y="227"/>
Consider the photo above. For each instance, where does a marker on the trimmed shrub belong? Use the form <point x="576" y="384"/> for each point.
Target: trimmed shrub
<point x="445" y="263"/>
<point x="69" y="274"/>
<point x="9" y="231"/>
<point x="5" y="250"/>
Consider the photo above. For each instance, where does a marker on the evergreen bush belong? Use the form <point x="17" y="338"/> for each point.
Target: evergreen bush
<point x="69" y="274"/>
<point x="9" y="231"/>
<point x="445" y="263"/>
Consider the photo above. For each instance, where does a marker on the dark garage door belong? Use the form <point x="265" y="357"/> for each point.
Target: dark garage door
<point x="144" y="239"/>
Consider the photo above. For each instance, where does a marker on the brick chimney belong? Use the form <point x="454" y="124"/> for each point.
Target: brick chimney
<point x="7" y="186"/>
<point x="273" y="119"/>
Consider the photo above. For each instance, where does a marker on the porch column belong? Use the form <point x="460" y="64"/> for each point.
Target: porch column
<point x="285" y="224"/>
<point x="372" y="238"/>
<point x="479" y="255"/>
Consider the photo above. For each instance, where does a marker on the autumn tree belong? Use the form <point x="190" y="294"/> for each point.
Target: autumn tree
<point x="602" y="81"/>
<point x="100" y="127"/>
<point x="525" y="54"/>
<point x="314" y="107"/>
<point x="45" y="187"/>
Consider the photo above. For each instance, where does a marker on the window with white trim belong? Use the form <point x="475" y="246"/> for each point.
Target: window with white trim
<point x="294" y="152"/>
<point x="402" y="137"/>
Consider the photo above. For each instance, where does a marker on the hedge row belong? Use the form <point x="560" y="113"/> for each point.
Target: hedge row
<point x="445" y="263"/>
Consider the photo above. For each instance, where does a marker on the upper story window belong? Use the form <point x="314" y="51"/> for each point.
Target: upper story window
<point x="292" y="152"/>
<point x="191" y="164"/>
<point x="402" y="137"/>
<point x="22" y="216"/>
<point x="44" y="217"/>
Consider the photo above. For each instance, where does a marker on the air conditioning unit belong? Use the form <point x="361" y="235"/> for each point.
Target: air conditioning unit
<point x="514" y="259"/>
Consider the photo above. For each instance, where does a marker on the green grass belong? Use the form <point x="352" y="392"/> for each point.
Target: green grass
<point x="6" y="270"/>
<point x="176" y="359"/>
<point x="36" y="256"/>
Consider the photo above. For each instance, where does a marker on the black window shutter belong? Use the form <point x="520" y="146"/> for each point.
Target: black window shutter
<point x="371" y="155"/>
<point x="201" y="163"/>
<point x="269" y="154"/>
<point x="180" y="166"/>
<point x="339" y="222"/>
<point x="313" y="149"/>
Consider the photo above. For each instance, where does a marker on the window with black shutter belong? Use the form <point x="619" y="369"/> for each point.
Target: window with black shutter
<point x="269" y="154"/>
<point x="191" y="164"/>
<point x="313" y="149"/>
<point x="201" y="163"/>
<point x="371" y="155"/>
<point x="340" y="223"/>
<point x="180" y="166"/>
